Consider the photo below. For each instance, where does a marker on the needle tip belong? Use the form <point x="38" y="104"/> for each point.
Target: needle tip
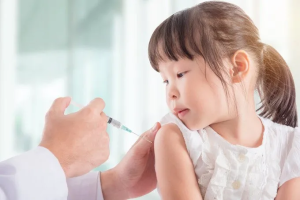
<point x="141" y="136"/>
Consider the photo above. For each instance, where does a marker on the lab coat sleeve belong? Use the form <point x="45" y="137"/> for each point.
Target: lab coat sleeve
<point x="37" y="175"/>
<point x="86" y="187"/>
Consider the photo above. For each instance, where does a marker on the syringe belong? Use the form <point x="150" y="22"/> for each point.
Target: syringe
<point x="114" y="123"/>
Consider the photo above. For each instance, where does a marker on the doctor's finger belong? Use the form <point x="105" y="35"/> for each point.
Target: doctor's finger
<point x="104" y="117"/>
<point x="97" y="105"/>
<point x="60" y="105"/>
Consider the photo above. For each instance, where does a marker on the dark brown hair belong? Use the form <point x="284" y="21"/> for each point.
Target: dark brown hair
<point x="216" y="30"/>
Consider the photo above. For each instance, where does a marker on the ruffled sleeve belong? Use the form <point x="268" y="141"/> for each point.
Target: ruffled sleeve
<point x="193" y="140"/>
<point x="291" y="167"/>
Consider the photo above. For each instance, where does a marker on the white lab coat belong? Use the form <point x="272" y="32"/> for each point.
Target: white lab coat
<point x="37" y="175"/>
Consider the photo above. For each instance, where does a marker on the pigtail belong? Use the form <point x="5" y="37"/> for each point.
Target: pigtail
<point x="277" y="89"/>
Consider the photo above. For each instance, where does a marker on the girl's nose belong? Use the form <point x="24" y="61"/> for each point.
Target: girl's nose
<point x="173" y="93"/>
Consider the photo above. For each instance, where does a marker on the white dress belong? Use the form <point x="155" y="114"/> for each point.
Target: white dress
<point x="229" y="172"/>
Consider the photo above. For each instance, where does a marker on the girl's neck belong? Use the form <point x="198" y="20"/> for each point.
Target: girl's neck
<point x="246" y="129"/>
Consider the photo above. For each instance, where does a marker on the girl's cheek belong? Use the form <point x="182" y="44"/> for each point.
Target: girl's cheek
<point x="168" y="103"/>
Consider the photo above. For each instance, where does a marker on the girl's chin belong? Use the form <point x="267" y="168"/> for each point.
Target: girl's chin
<point x="194" y="126"/>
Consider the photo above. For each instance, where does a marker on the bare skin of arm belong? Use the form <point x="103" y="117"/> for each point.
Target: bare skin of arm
<point x="174" y="169"/>
<point x="289" y="190"/>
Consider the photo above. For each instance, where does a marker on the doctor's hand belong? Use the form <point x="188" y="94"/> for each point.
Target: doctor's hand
<point x="78" y="140"/>
<point x="135" y="175"/>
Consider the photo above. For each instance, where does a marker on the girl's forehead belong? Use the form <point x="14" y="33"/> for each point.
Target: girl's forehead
<point x="167" y="65"/>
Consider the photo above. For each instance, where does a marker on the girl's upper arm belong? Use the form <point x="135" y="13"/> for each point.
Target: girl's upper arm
<point x="289" y="190"/>
<point x="290" y="176"/>
<point x="174" y="169"/>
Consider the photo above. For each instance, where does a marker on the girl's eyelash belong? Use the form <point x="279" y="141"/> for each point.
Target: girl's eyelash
<point x="181" y="74"/>
<point x="178" y="75"/>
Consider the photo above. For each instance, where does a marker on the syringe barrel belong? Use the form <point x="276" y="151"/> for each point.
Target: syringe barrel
<point x="114" y="123"/>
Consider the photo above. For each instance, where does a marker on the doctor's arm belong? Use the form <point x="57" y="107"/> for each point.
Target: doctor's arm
<point x="133" y="177"/>
<point x="63" y="153"/>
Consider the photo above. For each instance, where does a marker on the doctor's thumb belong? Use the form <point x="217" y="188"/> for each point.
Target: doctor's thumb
<point x="147" y="139"/>
<point x="153" y="131"/>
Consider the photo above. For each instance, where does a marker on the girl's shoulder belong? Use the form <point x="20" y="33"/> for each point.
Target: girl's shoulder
<point x="171" y="118"/>
<point x="284" y="141"/>
<point x="282" y="133"/>
<point x="192" y="139"/>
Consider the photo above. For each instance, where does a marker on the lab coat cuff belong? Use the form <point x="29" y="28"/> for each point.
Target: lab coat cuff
<point x="87" y="186"/>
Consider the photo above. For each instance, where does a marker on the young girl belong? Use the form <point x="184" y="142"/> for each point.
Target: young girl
<point x="213" y="144"/>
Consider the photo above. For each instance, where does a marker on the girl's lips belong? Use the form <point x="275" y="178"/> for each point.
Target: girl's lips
<point x="182" y="113"/>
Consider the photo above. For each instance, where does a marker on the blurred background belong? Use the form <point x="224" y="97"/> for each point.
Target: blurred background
<point x="98" y="48"/>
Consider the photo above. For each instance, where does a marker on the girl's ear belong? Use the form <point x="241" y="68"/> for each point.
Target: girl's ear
<point x="240" y="68"/>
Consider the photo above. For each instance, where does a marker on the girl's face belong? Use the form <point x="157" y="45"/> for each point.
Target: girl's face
<point x="194" y="93"/>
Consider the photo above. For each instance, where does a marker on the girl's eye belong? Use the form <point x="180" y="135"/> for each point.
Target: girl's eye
<point x="166" y="82"/>
<point x="181" y="74"/>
